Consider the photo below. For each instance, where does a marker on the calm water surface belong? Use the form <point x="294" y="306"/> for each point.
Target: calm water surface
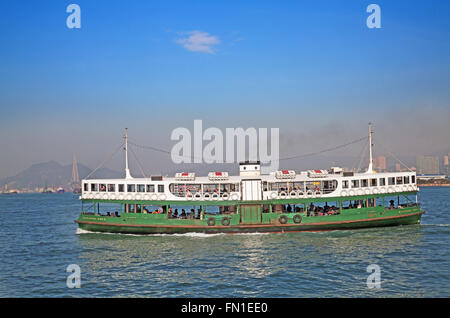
<point x="38" y="240"/>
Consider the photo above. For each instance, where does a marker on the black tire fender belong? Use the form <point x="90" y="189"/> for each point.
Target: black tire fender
<point x="225" y="221"/>
<point x="297" y="218"/>
<point x="283" y="219"/>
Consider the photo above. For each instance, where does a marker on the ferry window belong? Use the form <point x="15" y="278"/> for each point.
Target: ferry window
<point x="131" y="188"/>
<point x="111" y="187"/>
<point x="364" y="183"/>
<point x="299" y="186"/>
<point x="373" y="182"/>
<point x="86" y="187"/>
<point x="121" y="188"/>
<point x="93" y="187"/>
<point x="391" y="181"/>
<point x="355" y="183"/>
<point x="160" y="188"/>
<point x="130" y="208"/>
<point x="406" y="180"/>
<point x="399" y="180"/>
<point x="141" y="188"/>
<point x="413" y="179"/>
<point x="345" y="184"/>
<point x="382" y="181"/>
<point x="103" y="187"/>
<point x="150" y="188"/>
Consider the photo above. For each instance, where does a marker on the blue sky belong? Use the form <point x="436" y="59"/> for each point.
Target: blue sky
<point x="266" y="64"/>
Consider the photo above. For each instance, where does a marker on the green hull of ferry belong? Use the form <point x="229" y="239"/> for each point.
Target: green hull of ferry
<point x="250" y="218"/>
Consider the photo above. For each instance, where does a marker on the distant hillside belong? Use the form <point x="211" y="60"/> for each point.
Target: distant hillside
<point x="53" y="174"/>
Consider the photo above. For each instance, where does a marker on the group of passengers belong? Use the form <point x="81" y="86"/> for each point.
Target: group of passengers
<point x="174" y="214"/>
<point x="321" y="211"/>
<point x="190" y="193"/>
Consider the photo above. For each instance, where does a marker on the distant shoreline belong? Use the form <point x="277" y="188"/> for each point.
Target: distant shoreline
<point x="433" y="185"/>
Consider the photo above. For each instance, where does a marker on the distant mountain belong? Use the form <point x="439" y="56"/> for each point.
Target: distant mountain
<point x="52" y="173"/>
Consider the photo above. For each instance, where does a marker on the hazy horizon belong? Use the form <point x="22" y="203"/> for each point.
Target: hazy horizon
<point x="312" y="69"/>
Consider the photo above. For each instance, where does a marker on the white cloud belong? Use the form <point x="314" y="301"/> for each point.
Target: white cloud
<point x="198" y="41"/>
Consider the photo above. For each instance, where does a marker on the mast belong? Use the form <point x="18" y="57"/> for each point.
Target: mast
<point x="127" y="170"/>
<point x="370" y="168"/>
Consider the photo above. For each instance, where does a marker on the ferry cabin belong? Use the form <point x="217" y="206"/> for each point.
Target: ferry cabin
<point x="280" y="201"/>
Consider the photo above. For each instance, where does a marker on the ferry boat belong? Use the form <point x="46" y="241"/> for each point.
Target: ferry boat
<point x="281" y="201"/>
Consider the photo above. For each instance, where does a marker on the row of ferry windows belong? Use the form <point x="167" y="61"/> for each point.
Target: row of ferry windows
<point x="364" y="183"/>
<point x="103" y="187"/>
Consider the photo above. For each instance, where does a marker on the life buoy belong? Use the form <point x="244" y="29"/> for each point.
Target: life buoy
<point x="225" y="196"/>
<point x="282" y="195"/>
<point x="397" y="189"/>
<point x="197" y="195"/>
<point x="162" y="196"/>
<point x="360" y="192"/>
<point x="383" y="190"/>
<point x="283" y="219"/>
<point x="293" y="194"/>
<point x="146" y="197"/>
<point x="138" y="196"/>
<point x="309" y="194"/>
<point x="367" y="191"/>
<point x="297" y="218"/>
<point x="300" y="194"/>
<point x="206" y="196"/>
<point x="273" y="195"/>
<point x="120" y="196"/>
<point x="129" y="196"/>
<point x="234" y="197"/>
<point x="375" y="191"/>
<point x="352" y="193"/>
<point x="317" y="193"/>
<point x="215" y="196"/>
<point x="390" y="189"/>
<point x="211" y="221"/>
<point x="344" y="193"/>
<point x="225" y="221"/>
<point x="405" y="188"/>
<point x="189" y="196"/>
<point x="154" y="196"/>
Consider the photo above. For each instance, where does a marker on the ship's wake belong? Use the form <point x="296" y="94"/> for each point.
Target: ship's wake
<point x="190" y="234"/>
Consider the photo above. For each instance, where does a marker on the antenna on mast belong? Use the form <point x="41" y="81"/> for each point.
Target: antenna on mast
<point x="127" y="170"/>
<point x="370" y="168"/>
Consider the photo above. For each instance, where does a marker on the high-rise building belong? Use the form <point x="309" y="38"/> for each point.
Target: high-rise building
<point x="427" y="165"/>
<point x="379" y="163"/>
<point x="446" y="160"/>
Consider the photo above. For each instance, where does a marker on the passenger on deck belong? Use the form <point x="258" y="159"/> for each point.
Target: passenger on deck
<point x="392" y="206"/>
<point x="183" y="214"/>
<point x="170" y="213"/>
<point x="192" y="214"/>
<point x="289" y="208"/>
<point x="175" y="214"/>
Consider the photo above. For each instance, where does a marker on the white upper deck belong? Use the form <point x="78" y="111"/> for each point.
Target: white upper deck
<point x="250" y="185"/>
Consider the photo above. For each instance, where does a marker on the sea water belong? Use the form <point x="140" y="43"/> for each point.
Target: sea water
<point x="39" y="240"/>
